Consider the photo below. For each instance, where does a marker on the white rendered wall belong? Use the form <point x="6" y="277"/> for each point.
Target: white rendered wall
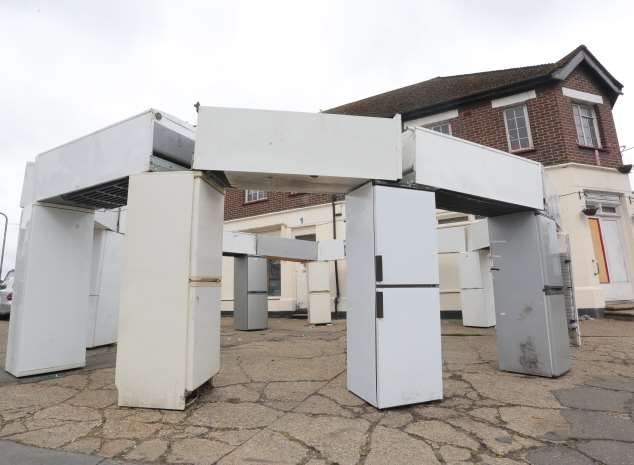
<point x="568" y="180"/>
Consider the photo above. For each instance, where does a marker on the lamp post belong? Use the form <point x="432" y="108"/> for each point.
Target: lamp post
<point x="4" y="241"/>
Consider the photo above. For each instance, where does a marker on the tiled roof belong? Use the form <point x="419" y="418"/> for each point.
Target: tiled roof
<point x="443" y="91"/>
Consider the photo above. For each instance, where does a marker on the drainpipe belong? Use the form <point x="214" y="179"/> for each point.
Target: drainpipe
<point x="334" y="236"/>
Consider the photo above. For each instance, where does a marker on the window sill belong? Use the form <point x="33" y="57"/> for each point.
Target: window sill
<point x="589" y="147"/>
<point x="521" y="151"/>
<point x="251" y="202"/>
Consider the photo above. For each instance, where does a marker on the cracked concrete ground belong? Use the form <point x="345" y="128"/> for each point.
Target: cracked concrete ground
<point x="280" y="398"/>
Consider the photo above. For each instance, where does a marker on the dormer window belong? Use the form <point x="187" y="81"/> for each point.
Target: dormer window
<point x="587" y="125"/>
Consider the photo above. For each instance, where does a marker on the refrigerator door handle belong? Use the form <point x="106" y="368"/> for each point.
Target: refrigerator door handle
<point x="378" y="267"/>
<point x="379" y="304"/>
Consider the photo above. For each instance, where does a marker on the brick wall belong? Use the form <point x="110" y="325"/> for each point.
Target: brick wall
<point x="236" y="207"/>
<point x="552" y="128"/>
<point x="552" y="124"/>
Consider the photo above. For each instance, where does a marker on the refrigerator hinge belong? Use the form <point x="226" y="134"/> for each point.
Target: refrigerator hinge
<point x="379" y="304"/>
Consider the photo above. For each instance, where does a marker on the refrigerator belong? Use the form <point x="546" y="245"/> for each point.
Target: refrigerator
<point x="320" y="303"/>
<point x="105" y="281"/>
<point x="169" y="320"/>
<point x="393" y="321"/>
<point x="532" y="332"/>
<point x="476" y="289"/>
<point x="250" y="293"/>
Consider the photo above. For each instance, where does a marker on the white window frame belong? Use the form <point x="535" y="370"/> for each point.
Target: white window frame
<point x="439" y="125"/>
<point x="528" y="129"/>
<point x="595" y="123"/>
<point x="251" y="196"/>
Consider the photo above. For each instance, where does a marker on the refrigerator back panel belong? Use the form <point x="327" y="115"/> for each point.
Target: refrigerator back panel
<point x="396" y="226"/>
<point x="400" y="381"/>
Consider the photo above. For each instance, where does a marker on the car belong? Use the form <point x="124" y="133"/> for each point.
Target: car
<point x="6" y="295"/>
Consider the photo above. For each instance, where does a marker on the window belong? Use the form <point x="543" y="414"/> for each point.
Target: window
<point x="518" y="131"/>
<point x="254" y="196"/>
<point x="445" y="128"/>
<point x="275" y="278"/>
<point x="586" y="123"/>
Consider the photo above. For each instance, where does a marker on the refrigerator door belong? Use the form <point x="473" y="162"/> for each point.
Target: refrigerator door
<point x="207" y="224"/>
<point x="318" y="276"/>
<point x="258" y="317"/>
<point x="319" y="308"/>
<point x="394" y="227"/>
<point x="550" y="252"/>
<point x="203" y="354"/>
<point x="257" y="274"/>
<point x="406" y="371"/>
<point x="558" y="328"/>
<point x="108" y="310"/>
<point x="470" y="270"/>
<point x="475" y="309"/>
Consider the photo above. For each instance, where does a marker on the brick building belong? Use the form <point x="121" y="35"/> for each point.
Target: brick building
<point x="559" y="114"/>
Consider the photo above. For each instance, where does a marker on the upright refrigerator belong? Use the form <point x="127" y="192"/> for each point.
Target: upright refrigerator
<point x="320" y="304"/>
<point x="532" y="333"/>
<point x="250" y="293"/>
<point x="169" y="321"/>
<point x="394" y="350"/>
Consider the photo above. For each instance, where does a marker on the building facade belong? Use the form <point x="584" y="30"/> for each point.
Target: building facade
<point x="559" y="114"/>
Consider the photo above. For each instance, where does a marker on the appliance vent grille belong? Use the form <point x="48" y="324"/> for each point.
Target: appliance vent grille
<point x="110" y="195"/>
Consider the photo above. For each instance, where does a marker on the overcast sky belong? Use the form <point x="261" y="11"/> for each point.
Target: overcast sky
<point x="70" y="67"/>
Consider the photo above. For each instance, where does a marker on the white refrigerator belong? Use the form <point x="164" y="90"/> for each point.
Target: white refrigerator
<point x="394" y="347"/>
<point x="169" y="321"/>
<point x="320" y="303"/>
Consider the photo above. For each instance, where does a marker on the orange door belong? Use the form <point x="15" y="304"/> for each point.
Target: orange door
<point x="599" y="250"/>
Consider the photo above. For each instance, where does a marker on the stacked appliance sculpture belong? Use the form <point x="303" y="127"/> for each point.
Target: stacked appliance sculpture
<point x="169" y="322"/>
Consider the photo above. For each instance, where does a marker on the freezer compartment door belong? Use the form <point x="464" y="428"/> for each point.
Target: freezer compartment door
<point x="408" y="350"/>
<point x="406" y="240"/>
<point x="258" y="316"/>
<point x="550" y="252"/>
<point x="206" y="236"/>
<point x="558" y="333"/>
<point x="477" y="310"/>
<point x="318" y="276"/>
<point x="470" y="270"/>
<point x="203" y="340"/>
<point x="319" y="308"/>
<point x="257" y="274"/>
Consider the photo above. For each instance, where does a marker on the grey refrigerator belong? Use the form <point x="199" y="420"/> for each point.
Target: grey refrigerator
<point x="532" y="332"/>
<point x="250" y="293"/>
